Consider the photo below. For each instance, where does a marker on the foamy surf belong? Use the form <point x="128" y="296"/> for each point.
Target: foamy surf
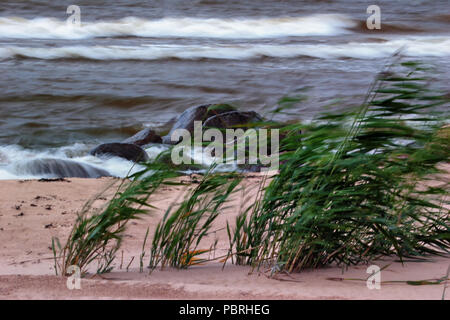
<point x="17" y="162"/>
<point x="243" y="28"/>
<point x="419" y="47"/>
<point x="20" y="163"/>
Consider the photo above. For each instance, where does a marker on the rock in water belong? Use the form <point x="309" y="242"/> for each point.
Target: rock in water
<point x="232" y="119"/>
<point x="144" y="137"/>
<point x="127" y="151"/>
<point x="198" y="113"/>
<point x="61" y="169"/>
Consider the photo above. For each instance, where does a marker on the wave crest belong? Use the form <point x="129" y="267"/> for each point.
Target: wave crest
<point x="437" y="47"/>
<point x="51" y="28"/>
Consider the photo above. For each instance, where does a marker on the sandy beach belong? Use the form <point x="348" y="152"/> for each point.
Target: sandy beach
<point x="32" y="212"/>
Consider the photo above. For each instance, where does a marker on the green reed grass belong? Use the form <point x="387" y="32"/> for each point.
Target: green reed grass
<point x="97" y="234"/>
<point x="178" y="236"/>
<point x="348" y="193"/>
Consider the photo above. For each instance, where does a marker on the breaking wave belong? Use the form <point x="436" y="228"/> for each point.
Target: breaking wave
<point x="244" y="28"/>
<point x="418" y="47"/>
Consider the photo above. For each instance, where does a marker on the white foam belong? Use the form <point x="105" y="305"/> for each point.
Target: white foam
<point x="13" y="161"/>
<point x="244" y="28"/>
<point x="418" y="47"/>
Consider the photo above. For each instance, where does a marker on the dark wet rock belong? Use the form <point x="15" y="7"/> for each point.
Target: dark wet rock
<point x="232" y="119"/>
<point x="62" y="169"/>
<point x="197" y="113"/>
<point x="127" y="151"/>
<point x="144" y="137"/>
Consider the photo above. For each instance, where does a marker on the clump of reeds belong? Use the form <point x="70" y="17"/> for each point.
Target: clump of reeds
<point x="178" y="236"/>
<point x="97" y="234"/>
<point x="348" y="193"/>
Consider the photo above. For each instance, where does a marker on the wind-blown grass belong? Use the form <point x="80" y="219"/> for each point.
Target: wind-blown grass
<point x="97" y="235"/>
<point x="348" y="195"/>
<point x="178" y="236"/>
